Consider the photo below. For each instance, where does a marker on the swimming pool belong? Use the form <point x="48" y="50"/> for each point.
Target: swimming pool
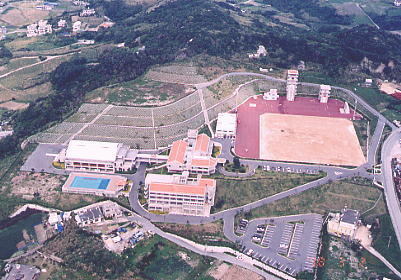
<point x="90" y="183"/>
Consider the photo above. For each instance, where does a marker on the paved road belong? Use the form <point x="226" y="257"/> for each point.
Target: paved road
<point x="374" y="142"/>
<point x="392" y="201"/>
<point x="218" y="255"/>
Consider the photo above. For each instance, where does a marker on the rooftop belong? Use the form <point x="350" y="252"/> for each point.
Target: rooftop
<point x="200" y="188"/>
<point x="350" y="216"/>
<point x="226" y="122"/>
<point x="325" y="87"/>
<point x="177" y="152"/>
<point x="92" y="150"/>
<point x="202" y="143"/>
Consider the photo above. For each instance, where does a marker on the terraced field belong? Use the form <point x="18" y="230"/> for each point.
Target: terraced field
<point x="151" y="127"/>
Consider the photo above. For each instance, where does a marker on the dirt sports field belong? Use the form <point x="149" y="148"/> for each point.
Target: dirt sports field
<point x="248" y="114"/>
<point x="309" y="139"/>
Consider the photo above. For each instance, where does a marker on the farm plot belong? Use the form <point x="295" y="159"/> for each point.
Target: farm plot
<point x="26" y="84"/>
<point x="17" y="63"/>
<point x="22" y="13"/>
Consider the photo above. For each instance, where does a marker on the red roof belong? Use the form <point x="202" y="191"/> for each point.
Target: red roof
<point x="199" y="189"/>
<point x="177" y="152"/>
<point x="202" y="143"/>
<point x="204" y="162"/>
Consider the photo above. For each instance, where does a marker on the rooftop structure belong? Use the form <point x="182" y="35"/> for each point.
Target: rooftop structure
<point x="103" y="157"/>
<point x="102" y="185"/>
<point x="397" y="3"/>
<point x="271" y="95"/>
<point x="226" y="125"/>
<point x="89" y="216"/>
<point x="368" y="82"/>
<point x="21" y="272"/>
<point x="259" y="53"/>
<point x="80" y="3"/>
<point x="344" y="224"/>
<point x="76" y="26"/>
<point x="324" y="93"/>
<point x="38" y="29"/>
<point x="193" y="155"/>
<point x="3" y="32"/>
<point x="62" y="23"/>
<point x="87" y="12"/>
<point x="180" y="194"/>
<point x="292" y="82"/>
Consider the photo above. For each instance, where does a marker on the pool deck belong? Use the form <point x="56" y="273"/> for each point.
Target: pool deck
<point x="115" y="184"/>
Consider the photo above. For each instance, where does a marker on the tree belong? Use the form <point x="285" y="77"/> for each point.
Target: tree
<point x="237" y="163"/>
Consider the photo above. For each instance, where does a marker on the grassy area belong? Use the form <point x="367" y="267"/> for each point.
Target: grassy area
<point x="139" y="91"/>
<point x="157" y="258"/>
<point x="209" y="234"/>
<point x="236" y="192"/>
<point x="385" y="241"/>
<point x="355" y="193"/>
<point x="380" y="101"/>
<point x="339" y="261"/>
<point x="29" y="83"/>
<point x="361" y="129"/>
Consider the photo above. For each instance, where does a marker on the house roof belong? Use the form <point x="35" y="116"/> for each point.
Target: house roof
<point x="177" y="152"/>
<point x="227" y="121"/>
<point x="92" y="150"/>
<point x="350" y="216"/>
<point x="177" y="188"/>
<point x="202" y="143"/>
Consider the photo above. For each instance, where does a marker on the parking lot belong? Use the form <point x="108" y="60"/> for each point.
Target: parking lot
<point x="295" y="169"/>
<point x="289" y="244"/>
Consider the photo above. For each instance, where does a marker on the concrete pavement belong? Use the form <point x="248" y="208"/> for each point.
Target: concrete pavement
<point x="392" y="201"/>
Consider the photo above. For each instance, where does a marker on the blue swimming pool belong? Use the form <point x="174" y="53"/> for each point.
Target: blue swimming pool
<point x="90" y="183"/>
